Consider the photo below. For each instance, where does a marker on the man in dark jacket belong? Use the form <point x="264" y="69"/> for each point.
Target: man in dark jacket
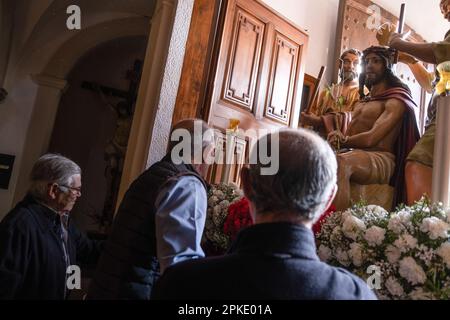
<point x="275" y="258"/>
<point x="160" y="220"/>
<point x="38" y="242"/>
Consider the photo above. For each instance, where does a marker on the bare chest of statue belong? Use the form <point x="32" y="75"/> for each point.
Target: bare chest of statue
<point x="364" y="116"/>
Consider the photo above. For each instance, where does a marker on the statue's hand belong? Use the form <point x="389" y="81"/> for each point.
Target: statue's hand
<point x="384" y="33"/>
<point x="336" y="138"/>
<point x="309" y="119"/>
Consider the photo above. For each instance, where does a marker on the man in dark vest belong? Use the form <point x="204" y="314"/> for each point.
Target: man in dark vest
<point x="161" y="218"/>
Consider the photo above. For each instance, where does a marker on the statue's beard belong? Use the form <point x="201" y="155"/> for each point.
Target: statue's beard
<point x="369" y="82"/>
<point x="348" y="75"/>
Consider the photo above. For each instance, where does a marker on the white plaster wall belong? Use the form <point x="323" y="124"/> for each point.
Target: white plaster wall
<point x="171" y="79"/>
<point x="319" y="19"/>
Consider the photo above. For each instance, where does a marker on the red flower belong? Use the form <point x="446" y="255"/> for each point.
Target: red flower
<point x="238" y="218"/>
<point x="318" y="225"/>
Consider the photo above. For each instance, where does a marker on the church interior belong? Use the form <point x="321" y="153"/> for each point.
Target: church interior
<point x="103" y="83"/>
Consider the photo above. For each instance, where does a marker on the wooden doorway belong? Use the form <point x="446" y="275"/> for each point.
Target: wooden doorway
<point x="258" y="79"/>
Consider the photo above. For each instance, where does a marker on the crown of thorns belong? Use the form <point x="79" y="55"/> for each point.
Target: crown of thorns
<point x="386" y="53"/>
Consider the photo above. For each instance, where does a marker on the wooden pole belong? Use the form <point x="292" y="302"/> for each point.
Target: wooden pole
<point x="316" y="89"/>
<point x="401" y="25"/>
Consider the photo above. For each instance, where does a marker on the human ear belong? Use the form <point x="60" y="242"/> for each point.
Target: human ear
<point x="52" y="190"/>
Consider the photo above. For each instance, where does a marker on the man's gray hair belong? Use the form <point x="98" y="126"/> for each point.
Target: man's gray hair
<point x="305" y="180"/>
<point x="51" y="168"/>
<point x="198" y="132"/>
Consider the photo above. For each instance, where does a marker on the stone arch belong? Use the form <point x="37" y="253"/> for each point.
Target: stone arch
<point x="49" y="66"/>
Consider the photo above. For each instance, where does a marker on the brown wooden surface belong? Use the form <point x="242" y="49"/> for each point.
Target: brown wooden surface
<point x="283" y="71"/>
<point x="243" y="60"/>
<point x="270" y="69"/>
<point x="310" y="82"/>
<point x="196" y="60"/>
<point x="258" y="78"/>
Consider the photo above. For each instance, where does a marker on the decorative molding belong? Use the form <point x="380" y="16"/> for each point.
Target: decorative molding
<point x="244" y="22"/>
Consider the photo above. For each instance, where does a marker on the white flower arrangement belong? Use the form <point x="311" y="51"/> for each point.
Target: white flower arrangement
<point x="410" y="247"/>
<point x="220" y="196"/>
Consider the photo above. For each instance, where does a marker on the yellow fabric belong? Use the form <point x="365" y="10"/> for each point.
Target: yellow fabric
<point x="326" y="104"/>
<point x="424" y="149"/>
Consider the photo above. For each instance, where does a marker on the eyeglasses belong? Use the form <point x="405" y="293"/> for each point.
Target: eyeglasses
<point x="72" y="189"/>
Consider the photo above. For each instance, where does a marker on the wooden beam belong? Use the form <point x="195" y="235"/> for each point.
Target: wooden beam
<point x="197" y="58"/>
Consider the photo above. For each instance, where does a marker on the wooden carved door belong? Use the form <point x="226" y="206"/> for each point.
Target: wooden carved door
<point x="258" y="79"/>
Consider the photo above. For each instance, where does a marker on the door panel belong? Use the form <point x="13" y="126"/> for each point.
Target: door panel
<point x="258" y="78"/>
<point x="282" y="79"/>
<point x="243" y="64"/>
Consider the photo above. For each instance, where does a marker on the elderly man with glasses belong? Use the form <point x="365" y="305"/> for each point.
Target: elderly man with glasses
<point x="38" y="242"/>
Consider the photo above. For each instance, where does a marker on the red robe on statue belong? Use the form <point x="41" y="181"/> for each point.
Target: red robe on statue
<point x="407" y="139"/>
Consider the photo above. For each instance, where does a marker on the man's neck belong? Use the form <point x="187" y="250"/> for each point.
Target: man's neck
<point x="49" y="206"/>
<point x="351" y="83"/>
<point x="378" y="88"/>
<point x="281" y="217"/>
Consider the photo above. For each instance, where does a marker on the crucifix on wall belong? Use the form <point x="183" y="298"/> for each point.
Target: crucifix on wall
<point x="116" y="148"/>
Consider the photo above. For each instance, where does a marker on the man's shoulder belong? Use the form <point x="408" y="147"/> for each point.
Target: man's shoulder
<point x="191" y="278"/>
<point x="197" y="269"/>
<point x="343" y="282"/>
<point x="186" y="182"/>
<point x="21" y="217"/>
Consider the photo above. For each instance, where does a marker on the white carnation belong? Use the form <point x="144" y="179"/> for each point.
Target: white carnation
<point x="356" y="254"/>
<point x="395" y="225"/>
<point x="377" y="211"/>
<point x="392" y="253"/>
<point x="342" y="257"/>
<point x="217" y="210"/>
<point x="352" y="227"/>
<point x="394" y="287"/>
<point x="234" y="186"/>
<point x="444" y="252"/>
<point x="375" y="235"/>
<point x="324" y="253"/>
<point x="224" y="204"/>
<point x="400" y="222"/>
<point x="219" y="194"/>
<point x="405" y="242"/>
<point x="411" y="271"/>
<point x="212" y="201"/>
<point x="435" y="227"/>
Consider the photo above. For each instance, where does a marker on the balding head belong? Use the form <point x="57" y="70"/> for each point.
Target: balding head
<point x="304" y="183"/>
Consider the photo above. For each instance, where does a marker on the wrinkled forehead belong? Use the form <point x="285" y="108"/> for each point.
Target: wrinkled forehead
<point x="350" y="56"/>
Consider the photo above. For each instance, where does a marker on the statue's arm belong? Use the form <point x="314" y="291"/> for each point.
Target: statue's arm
<point x="311" y="118"/>
<point x="422" y="51"/>
<point x="422" y="75"/>
<point x="385" y="123"/>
